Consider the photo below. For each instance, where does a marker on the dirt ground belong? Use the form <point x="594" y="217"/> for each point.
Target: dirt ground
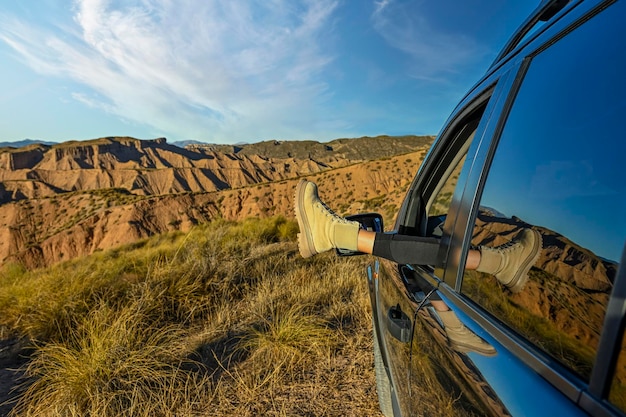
<point x="9" y="384"/>
<point x="10" y="374"/>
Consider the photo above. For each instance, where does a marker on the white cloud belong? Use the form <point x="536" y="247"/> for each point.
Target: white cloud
<point x="436" y="51"/>
<point x="211" y="69"/>
<point x="380" y="5"/>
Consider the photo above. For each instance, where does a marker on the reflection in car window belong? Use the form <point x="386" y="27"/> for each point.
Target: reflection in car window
<point x="439" y="202"/>
<point x="558" y="170"/>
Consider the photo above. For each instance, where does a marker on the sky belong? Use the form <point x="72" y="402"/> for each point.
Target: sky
<point x="242" y="71"/>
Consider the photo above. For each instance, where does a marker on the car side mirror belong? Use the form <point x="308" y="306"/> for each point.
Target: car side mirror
<point x="369" y="221"/>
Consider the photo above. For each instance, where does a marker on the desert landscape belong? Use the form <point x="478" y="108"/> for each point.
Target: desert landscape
<point x="71" y="199"/>
<point x="153" y="274"/>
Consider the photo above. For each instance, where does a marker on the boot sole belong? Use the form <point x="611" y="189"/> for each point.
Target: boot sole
<point x="467" y="348"/>
<point x="305" y="239"/>
<point x="521" y="278"/>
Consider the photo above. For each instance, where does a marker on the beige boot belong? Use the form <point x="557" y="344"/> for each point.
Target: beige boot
<point x="320" y="228"/>
<point x="461" y="338"/>
<point x="510" y="263"/>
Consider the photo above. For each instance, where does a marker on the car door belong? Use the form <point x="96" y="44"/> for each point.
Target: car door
<point x="555" y="166"/>
<point x="530" y="126"/>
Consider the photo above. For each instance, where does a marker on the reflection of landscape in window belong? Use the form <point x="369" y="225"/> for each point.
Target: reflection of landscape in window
<point x="561" y="310"/>
<point x="436" y="382"/>
<point x="444" y="198"/>
<point x="429" y="391"/>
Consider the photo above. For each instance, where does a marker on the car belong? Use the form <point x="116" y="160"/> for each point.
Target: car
<point x="538" y="143"/>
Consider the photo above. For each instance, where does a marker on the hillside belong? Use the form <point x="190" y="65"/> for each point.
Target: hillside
<point x="75" y="198"/>
<point x="224" y="320"/>
<point x="153" y="167"/>
<point x="361" y="149"/>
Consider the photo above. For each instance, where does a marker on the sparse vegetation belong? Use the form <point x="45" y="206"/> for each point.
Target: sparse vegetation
<point x="226" y="319"/>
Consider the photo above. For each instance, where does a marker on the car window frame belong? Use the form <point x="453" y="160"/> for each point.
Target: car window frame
<point x="412" y="214"/>
<point x="453" y="249"/>
<point x="413" y="217"/>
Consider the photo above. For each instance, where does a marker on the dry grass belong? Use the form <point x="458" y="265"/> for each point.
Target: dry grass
<point x="227" y="319"/>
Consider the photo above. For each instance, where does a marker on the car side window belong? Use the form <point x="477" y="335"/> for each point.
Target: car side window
<point x="556" y="180"/>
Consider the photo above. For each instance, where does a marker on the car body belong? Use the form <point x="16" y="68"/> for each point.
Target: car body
<point x="538" y="143"/>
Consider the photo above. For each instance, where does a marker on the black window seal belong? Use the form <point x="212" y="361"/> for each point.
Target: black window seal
<point x="598" y="408"/>
<point x="575" y="24"/>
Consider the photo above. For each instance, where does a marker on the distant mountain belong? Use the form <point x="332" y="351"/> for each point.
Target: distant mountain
<point x="356" y="149"/>
<point x="184" y="143"/>
<point x="154" y="167"/>
<point x="69" y="199"/>
<point x="25" y="142"/>
<point x="492" y="212"/>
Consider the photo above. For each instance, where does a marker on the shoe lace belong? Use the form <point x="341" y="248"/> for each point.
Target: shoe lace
<point x="330" y="213"/>
<point x="505" y="247"/>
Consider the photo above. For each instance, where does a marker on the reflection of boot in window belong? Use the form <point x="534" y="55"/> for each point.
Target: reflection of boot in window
<point x="461" y="338"/>
<point x="511" y="262"/>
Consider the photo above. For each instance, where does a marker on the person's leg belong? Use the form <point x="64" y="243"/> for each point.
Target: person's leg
<point x="365" y="241"/>
<point x="510" y="263"/>
<point x="404" y="249"/>
<point x="322" y="230"/>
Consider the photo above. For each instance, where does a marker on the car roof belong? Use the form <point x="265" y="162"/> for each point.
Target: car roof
<point x="546" y="10"/>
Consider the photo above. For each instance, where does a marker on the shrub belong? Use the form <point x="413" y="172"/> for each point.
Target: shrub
<point x="112" y="364"/>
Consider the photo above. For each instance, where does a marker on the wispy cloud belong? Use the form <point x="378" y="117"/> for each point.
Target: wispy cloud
<point x="212" y="69"/>
<point x="380" y="5"/>
<point x="436" y="51"/>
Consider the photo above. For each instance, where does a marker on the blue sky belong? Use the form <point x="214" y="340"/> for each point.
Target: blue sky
<point x="242" y="71"/>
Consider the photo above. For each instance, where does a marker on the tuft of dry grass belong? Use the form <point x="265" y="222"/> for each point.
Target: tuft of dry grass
<point x="227" y="319"/>
<point x="112" y="363"/>
<point x="286" y="337"/>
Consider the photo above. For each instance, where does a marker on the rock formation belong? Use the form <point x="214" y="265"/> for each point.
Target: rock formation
<point x="71" y="199"/>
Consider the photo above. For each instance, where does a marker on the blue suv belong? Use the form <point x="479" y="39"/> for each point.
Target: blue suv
<point x="538" y="143"/>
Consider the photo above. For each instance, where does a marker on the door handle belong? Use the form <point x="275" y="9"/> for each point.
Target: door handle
<point x="399" y="324"/>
